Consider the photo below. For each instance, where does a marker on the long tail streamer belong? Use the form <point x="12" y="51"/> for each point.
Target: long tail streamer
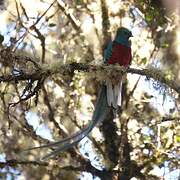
<point x="100" y="112"/>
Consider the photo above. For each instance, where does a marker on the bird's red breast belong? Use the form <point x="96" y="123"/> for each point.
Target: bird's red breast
<point x="120" y="54"/>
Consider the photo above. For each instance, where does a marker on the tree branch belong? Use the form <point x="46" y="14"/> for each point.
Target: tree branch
<point x="103" y="174"/>
<point x="105" y="24"/>
<point x="64" y="7"/>
<point x="46" y="71"/>
<point x="14" y="163"/>
<point x="51" y="113"/>
<point x="164" y="119"/>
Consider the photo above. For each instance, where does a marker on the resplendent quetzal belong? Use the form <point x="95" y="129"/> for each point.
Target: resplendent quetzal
<point x="117" y="51"/>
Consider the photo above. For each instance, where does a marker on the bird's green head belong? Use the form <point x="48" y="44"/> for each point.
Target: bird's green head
<point x="124" y="32"/>
<point x="122" y="36"/>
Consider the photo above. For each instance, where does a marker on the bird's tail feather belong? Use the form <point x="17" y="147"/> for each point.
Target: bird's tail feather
<point x="68" y="144"/>
<point x="119" y="93"/>
<point x="100" y="112"/>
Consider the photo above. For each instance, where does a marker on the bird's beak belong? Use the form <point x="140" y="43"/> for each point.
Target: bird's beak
<point x="131" y="35"/>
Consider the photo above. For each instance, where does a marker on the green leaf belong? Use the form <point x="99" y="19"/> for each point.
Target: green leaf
<point x="165" y="45"/>
<point x="144" y="60"/>
<point x="149" y="17"/>
<point x="178" y="139"/>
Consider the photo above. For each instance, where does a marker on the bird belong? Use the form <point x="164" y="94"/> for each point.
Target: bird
<point x="117" y="51"/>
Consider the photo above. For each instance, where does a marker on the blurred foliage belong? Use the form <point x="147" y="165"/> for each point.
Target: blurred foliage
<point x="154" y="12"/>
<point x="142" y="143"/>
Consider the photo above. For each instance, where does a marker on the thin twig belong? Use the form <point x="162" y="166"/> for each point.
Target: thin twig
<point x="51" y="113"/>
<point x="164" y="119"/>
<point x="75" y="23"/>
<point x="14" y="163"/>
<point x="38" y="19"/>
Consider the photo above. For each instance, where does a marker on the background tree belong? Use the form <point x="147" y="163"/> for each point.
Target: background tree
<point x="51" y="68"/>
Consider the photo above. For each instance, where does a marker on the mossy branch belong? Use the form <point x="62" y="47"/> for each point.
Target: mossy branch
<point x="44" y="71"/>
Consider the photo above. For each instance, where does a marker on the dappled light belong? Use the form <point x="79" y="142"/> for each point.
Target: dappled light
<point x="71" y="108"/>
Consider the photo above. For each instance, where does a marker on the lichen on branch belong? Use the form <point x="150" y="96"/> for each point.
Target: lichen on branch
<point x="100" y="71"/>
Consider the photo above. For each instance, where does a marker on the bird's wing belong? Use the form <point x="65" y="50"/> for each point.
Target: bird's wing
<point x="108" y="52"/>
